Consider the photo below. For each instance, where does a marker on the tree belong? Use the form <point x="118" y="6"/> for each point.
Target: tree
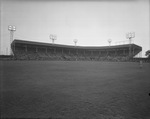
<point x="147" y="54"/>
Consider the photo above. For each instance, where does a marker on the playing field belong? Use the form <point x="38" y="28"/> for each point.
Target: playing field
<point x="74" y="90"/>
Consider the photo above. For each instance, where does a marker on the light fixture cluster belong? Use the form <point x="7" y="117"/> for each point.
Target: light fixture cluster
<point x="11" y="28"/>
<point x="75" y="41"/>
<point x="53" y="37"/>
<point x="109" y="41"/>
<point x="130" y="35"/>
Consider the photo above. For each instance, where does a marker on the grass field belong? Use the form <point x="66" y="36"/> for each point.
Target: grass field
<point x="74" y="90"/>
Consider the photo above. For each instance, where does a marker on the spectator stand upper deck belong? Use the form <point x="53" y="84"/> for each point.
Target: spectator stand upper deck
<point x="29" y="50"/>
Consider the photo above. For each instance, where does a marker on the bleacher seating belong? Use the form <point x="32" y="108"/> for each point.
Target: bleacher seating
<point x="31" y="55"/>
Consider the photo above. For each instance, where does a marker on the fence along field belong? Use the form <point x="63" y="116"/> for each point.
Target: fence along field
<point x="75" y="90"/>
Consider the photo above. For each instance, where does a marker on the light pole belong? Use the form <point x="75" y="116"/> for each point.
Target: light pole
<point x="75" y="41"/>
<point x="53" y="37"/>
<point x="129" y="36"/>
<point x="109" y="41"/>
<point x="12" y="29"/>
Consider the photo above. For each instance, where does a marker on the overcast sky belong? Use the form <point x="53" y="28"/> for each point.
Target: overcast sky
<point x="91" y="22"/>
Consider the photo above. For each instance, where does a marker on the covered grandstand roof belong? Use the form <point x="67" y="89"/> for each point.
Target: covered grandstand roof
<point x="17" y="41"/>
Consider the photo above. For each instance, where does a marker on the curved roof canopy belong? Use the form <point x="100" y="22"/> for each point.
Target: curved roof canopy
<point x="41" y="44"/>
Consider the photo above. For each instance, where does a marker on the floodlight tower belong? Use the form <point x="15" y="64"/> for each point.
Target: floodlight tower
<point x="75" y="41"/>
<point x="53" y="37"/>
<point x="129" y="36"/>
<point x="109" y="41"/>
<point x="12" y="29"/>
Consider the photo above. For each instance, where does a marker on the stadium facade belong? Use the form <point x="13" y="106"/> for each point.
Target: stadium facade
<point x="29" y="50"/>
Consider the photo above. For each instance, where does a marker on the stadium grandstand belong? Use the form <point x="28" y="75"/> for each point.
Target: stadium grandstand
<point x="29" y="50"/>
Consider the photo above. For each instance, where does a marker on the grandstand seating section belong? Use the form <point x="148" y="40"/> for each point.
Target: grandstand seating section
<point x="28" y="50"/>
<point x="30" y="55"/>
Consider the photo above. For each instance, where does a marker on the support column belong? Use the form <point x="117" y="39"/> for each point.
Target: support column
<point x="107" y="53"/>
<point x="69" y="52"/>
<point x="26" y="48"/>
<point x="14" y="47"/>
<point x="91" y="53"/>
<point x="115" y="52"/>
<point x="46" y="50"/>
<point x="133" y="51"/>
<point x="130" y="51"/>
<point x="76" y="51"/>
<point x="99" y="53"/>
<point x="36" y="49"/>
<point x="123" y="51"/>
<point x="62" y="51"/>
<point x="54" y="50"/>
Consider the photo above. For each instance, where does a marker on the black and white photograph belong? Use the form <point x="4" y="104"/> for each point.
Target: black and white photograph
<point x="74" y="59"/>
